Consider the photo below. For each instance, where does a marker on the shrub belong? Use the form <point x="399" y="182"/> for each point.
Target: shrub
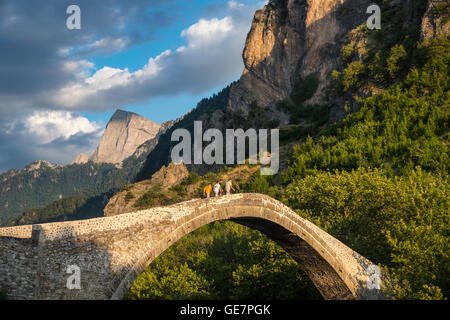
<point x="180" y="190"/>
<point x="193" y="178"/>
<point x="304" y="89"/>
<point x="402" y="223"/>
<point x="129" y="196"/>
<point x="127" y="188"/>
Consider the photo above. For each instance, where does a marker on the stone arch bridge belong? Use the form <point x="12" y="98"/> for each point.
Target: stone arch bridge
<point x="111" y="252"/>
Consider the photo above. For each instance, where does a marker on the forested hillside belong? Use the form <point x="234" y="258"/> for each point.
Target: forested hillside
<point x="45" y="192"/>
<point x="36" y="187"/>
<point x="377" y="180"/>
<point x="160" y="156"/>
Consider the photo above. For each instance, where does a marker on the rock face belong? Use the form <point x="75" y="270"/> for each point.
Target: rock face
<point x="167" y="177"/>
<point x="149" y="145"/>
<point x="125" y="132"/>
<point x="432" y="25"/>
<point x="81" y="159"/>
<point x="292" y="39"/>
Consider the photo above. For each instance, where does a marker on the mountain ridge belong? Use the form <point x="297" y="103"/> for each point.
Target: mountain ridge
<point x="124" y="133"/>
<point x="41" y="183"/>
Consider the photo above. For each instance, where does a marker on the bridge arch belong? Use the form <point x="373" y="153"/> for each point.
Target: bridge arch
<point x="112" y="252"/>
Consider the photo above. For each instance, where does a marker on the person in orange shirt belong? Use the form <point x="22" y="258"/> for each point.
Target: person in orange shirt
<point x="207" y="191"/>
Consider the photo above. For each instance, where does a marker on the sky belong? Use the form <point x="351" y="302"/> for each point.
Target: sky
<point x="157" y="58"/>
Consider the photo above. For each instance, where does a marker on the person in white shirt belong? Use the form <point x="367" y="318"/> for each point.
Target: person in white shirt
<point x="217" y="188"/>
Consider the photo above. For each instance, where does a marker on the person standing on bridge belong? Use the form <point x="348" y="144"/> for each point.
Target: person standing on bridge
<point x="207" y="191"/>
<point x="217" y="189"/>
<point x="229" y="187"/>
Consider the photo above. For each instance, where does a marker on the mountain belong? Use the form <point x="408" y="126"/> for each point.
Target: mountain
<point x="41" y="183"/>
<point x="81" y="159"/>
<point x="286" y="50"/>
<point x="366" y="114"/>
<point x="125" y="132"/>
<point x="86" y="181"/>
<point x="368" y="117"/>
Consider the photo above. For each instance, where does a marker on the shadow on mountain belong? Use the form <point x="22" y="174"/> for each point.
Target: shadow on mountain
<point x="77" y="207"/>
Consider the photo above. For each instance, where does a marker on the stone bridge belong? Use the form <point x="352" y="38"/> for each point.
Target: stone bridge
<point x="111" y="252"/>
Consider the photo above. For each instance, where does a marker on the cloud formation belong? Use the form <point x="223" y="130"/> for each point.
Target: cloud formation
<point x="212" y="56"/>
<point x="47" y="78"/>
<point x="55" y="136"/>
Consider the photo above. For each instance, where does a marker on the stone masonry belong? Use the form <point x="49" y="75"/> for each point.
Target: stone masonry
<point x="111" y="252"/>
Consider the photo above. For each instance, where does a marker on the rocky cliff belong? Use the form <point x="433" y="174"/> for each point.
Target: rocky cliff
<point x="124" y="201"/>
<point x="290" y="40"/>
<point x="81" y="159"/>
<point x="436" y="21"/>
<point x="125" y="132"/>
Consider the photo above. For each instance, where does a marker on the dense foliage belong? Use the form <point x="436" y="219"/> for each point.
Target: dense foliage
<point x="26" y="189"/>
<point x="223" y="261"/>
<point x="76" y="207"/>
<point x="401" y="223"/>
<point x="398" y="129"/>
<point x="377" y="180"/>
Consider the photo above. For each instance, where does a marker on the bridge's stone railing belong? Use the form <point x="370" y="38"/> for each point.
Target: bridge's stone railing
<point x="111" y="252"/>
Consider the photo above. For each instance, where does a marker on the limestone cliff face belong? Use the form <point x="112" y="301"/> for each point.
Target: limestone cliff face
<point x="291" y="39"/>
<point x="145" y="148"/>
<point x="125" y="132"/>
<point x="435" y="23"/>
<point x="81" y="159"/>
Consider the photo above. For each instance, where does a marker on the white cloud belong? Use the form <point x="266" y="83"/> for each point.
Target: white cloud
<point x="106" y="46"/>
<point x="80" y="68"/>
<point x="55" y="136"/>
<point x="206" y="32"/>
<point x="109" y="44"/>
<point x="234" y="4"/>
<point x="47" y="126"/>
<point x="212" y="56"/>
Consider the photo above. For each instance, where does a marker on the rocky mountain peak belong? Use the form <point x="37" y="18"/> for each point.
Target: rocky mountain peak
<point x="81" y="159"/>
<point x="38" y="165"/>
<point x="125" y="132"/>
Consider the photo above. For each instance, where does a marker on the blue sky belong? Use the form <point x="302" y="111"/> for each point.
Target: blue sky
<point x="59" y="87"/>
<point x="169" y="107"/>
<point x="166" y="108"/>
